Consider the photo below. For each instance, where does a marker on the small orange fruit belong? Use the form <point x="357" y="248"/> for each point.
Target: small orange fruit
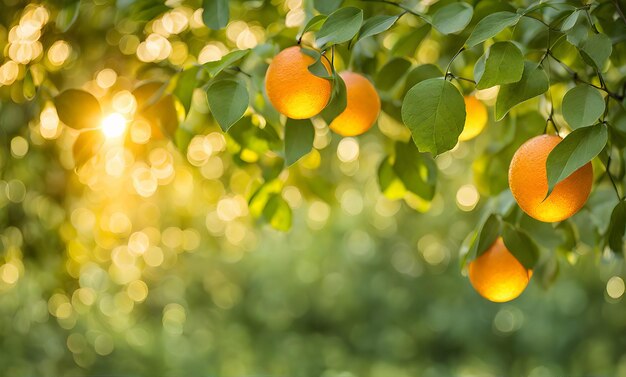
<point x="292" y="89"/>
<point x="497" y="275"/>
<point x="529" y="182"/>
<point x="363" y="106"/>
<point x="475" y="119"/>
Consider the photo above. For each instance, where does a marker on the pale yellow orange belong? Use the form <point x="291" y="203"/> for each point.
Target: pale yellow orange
<point x="475" y="118"/>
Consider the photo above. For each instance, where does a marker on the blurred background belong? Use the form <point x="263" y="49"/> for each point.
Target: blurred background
<point x="148" y="260"/>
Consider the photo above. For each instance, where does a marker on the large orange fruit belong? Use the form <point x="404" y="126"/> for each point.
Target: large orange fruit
<point x="362" y="107"/>
<point x="529" y="182"/>
<point x="292" y="89"/>
<point x="475" y="119"/>
<point x="497" y="275"/>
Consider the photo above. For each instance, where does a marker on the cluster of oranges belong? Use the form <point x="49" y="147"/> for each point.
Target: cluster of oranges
<point x="496" y="274"/>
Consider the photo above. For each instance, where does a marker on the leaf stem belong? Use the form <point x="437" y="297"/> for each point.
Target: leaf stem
<point x="608" y="172"/>
<point x="452" y="60"/>
<point x="450" y="74"/>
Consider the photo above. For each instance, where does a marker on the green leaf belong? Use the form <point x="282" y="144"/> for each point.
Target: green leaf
<point x="327" y="6"/>
<point x="157" y="107"/>
<point x="434" y="111"/>
<point x="228" y="101"/>
<point x="388" y="181"/>
<point x="596" y="50"/>
<point x="338" y="101"/>
<point x="213" y="68"/>
<point x="318" y="68"/>
<point x="486" y="236"/>
<point x="376" y="25"/>
<point x="78" y="109"/>
<point x="420" y="73"/>
<point x="314" y="24"/>
<point x="416" y="170"/>
<point x="452" y="18"/>
<point x="504" y="65"/>
<point x="520" y="245"/>
<point x="490" y="26"/>
<point x="534" y="82"/>
<point x="570" y="21"/>
<point x="28" y="86"/>
<point x="67" y="16"/>
<point x="617" y="228"/>
<point x="407" y="44"/>
<point x="278" y="213"/>
<point x="216" y="13"/>
<point x="340" y="26"/>
<point x="299" y="135"/>
<point x="185" y="85"/>
<point x="573" y="152"/>
<point x="391" y="73"/>
<point x="582" y="106"/>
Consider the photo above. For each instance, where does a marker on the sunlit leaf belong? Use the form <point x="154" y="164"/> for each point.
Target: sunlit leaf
<point x="416" y="170"/>
<point x="299" y="135"/>
<point x="490" y="26"/>
<point x="434" y="111"/>
<point x="340" y="26"/>
<point x="228" y="101"/>
<point x="485" y="237"/>
<point x="582" y="106"/>
<point x="376" y="25"/>
<point x="534" y="82"/>
<point x="215" y="67"/>
<point x="521" y="245"/>
<point x="452" y="18"/>
<point x="78" y="109"/>
<point x="67" y="16"/>
<point x="577" y="149"/>
<point x="185" y="85"/>
<point x="278" y="213"/>
<point x="215" y="14"/>
<point x="504" y="65"/>
<point x="596" y="50"/>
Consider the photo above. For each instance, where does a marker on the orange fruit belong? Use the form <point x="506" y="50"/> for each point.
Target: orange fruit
<point x="497" y="275"/>
<point x="475" y="119"/>
<point x="363" y="106"/>
<point x="529" y="182"/>
<point x="292" y="89"/>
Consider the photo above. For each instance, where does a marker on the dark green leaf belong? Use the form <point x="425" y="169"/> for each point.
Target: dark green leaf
<point x="67" y="16"/>
<point x="338" y="101"/>
<point x="228" y="101"/>
<point x="582" y="106"/>
<point x="340" y="26"/>
<point x="185" y="85"/>
<point x="416" y="170"/>
<point x="78" y="109"/>
<point x="520" y="245"/>
<point x="376" y="25"/>
<point x="28" y="87"/>
<point x="420" y="73"/>
<point x="452" y="18"/>
<point x="299" y="135"/>
<point x="617" y="228"/>
<point x="573" y="152"/>
<point x="534" y="82"/>
<point x="216" y="13"/>
<point x="434" y="111"/>
<point x="486" y="236"/>
<point x="391" y="73"/>
<point x="490" y="26"/>
<point x="596" y="50"/>
<point x="327" y="6"/>
<point x="278" y="213"/>
<point x="313" y="24"/>
<point x="504" y="65"/>
<point x="409" y="42"/>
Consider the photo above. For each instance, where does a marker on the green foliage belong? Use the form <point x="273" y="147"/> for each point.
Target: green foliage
<point x="299" y="135"/>
<point x="490" y="26"/>
<point x="228" y="101"/>
<point x="78" y="109"/>
<point x="502" y="64"/>
<point x="216" y="13"/>
<point x="376" y="25"/>
<point x="577" y="149"/>
<point x="582" y="106"/>
<point x="340" y="26"/>
<point x="452" y="18"/>
<point x="521" y="245"/>
<point x="533" y="83"/>
<point x="434" y="111"/>
<point x="596" y="50"/>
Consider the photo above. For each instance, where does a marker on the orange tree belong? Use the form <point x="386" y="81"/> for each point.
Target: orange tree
<point x="110" y="90"/>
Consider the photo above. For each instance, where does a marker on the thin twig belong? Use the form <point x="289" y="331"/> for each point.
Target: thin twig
<point x="608" y="165"/>
<point x="452" y="60"/>
<point x="619" y="11"/>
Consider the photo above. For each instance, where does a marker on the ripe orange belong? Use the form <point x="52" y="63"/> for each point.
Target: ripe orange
<point x="529" y="182"/>
<point x="497" y="275"/>
<point x="475" y="119"/>
<point x="292" y="89"/>
<point x="362" y="107"/>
